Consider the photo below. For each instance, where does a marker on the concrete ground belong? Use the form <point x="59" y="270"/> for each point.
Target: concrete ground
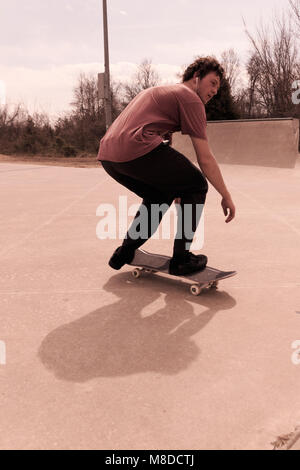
<point x="92" y="358"/>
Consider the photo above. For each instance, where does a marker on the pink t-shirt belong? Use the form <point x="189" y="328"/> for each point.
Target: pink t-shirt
<point x="150" y="116"/>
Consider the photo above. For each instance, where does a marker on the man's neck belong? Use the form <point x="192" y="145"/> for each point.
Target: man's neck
<point x="191" y="87"/>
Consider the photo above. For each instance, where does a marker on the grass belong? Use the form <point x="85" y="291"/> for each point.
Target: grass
<point x="81" y="161"/>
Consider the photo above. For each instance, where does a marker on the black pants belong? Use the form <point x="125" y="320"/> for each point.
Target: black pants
<point x="159" y="177"/>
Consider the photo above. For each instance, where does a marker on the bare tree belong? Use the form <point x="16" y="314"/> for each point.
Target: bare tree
<point x="231" y="64"/>
<point x="9" y="118"/>
<point x="145" y="77"/>
<point x="86" y="102"/>
<point x="295" y="8"/>
<point x="241" y="101"/>
<point x="272" y="68"/>
<point x="259" y="92"/>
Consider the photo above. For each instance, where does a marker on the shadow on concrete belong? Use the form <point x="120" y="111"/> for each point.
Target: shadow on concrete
<point x="148" y="328"/>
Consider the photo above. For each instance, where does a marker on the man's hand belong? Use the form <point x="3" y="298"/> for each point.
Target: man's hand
<point x="228" y="207"/>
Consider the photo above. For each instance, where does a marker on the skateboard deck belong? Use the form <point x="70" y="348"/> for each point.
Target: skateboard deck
<point x="145" y="262"/>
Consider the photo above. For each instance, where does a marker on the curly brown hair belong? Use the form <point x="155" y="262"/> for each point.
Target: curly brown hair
<point x="202" y="66"/>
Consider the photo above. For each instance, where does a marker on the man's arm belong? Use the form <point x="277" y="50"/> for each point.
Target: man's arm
<point x="212" y="172"/>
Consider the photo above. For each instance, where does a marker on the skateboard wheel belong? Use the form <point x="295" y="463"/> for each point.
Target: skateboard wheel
<point x="136" y="273"/>
<point x="214" y="285"/>
<point x="195" y="290"/>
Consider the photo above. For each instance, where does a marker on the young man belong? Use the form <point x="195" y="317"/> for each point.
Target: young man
<point x="134" y="153"/>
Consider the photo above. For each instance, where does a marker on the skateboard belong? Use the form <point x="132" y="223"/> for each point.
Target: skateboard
<point x="209" y="278"/>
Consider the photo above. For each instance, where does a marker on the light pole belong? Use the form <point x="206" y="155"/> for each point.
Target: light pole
<point x="107" y="93"/>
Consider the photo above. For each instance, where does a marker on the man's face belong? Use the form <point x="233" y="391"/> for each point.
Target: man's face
<point x="208" y="87"/>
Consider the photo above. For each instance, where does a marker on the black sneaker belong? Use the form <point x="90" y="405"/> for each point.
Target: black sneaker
<point x="120" y="257"/>
<point x="187" y="264"/>
<point x="201" y="258"/>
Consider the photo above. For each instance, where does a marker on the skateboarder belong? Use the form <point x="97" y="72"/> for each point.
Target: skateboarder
<point x="135" y="153"/>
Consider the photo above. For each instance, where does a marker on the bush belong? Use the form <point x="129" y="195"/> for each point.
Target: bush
<point x="69" y="151"/>
<point x="59" y="142"/>
<point x="28" y="145"/>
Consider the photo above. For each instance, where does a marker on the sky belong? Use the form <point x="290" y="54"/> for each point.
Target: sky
<point x="46" y="44"/>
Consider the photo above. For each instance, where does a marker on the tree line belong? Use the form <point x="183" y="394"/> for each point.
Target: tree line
<point x="271" y="70"/>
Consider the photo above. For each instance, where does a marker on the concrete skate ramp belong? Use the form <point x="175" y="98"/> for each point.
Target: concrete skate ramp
<point x="262" y="142"/>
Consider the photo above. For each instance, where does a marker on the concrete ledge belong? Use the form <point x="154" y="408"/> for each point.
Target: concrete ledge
<point x="270" y="142"/>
